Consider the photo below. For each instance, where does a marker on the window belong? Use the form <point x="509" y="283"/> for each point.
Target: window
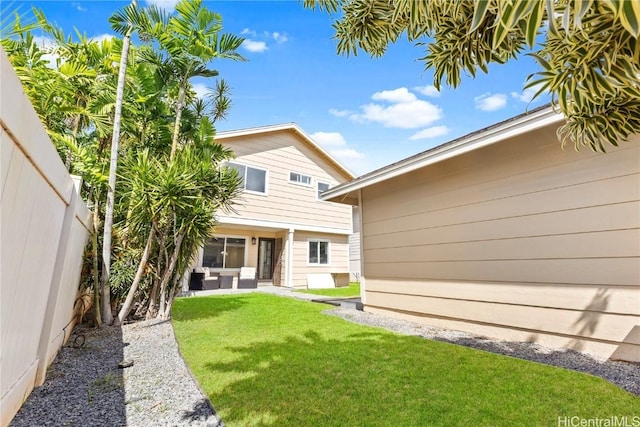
<point x="318" y="252"/>
<point x="298" y="178"/>
<point x="253" y="179"/>
<point x="322" y="187"/>
<point x="224" y="252"/>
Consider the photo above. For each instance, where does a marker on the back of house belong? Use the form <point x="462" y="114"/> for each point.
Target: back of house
<point x="279" y="225"/>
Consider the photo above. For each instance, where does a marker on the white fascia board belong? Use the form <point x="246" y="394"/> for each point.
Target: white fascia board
<point x="230" y="220"/>
<point x="474" y="141"/>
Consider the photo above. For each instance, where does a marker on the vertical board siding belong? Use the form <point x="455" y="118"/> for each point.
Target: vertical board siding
<point x="520" y="234"/>
<point x="280" y="153"/>
<point x="44" y="230"/>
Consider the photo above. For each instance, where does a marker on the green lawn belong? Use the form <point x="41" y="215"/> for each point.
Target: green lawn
<point x="265" y="360"/>
<point x="353" y="290"/>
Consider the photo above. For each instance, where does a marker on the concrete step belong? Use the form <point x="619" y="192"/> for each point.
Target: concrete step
<point x="352" y="303"/>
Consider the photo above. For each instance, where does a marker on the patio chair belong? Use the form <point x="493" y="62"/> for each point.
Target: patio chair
<point x="248" y="278"/>
<point x="212" y="281"/>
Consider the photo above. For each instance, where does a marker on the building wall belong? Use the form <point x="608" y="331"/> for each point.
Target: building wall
<point x="520" y="240"/>
<point x="44" y="229"/>
<point x="280" y="153"/>
<point x="338" y="258"/>
<point x="354" y="247"/>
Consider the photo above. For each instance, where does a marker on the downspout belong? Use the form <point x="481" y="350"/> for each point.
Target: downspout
<point x="289" y="266"/>
<point x="363" y="295"/>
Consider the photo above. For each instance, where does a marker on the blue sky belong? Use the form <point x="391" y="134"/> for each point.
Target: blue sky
<point x="367" y="112"/>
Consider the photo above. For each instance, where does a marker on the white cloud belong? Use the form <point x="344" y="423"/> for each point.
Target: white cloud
<point x="406" y="115"/>
<point x="428" y="91"/>
<point x="490" y="102"/>
<point x="200" y="89"/>
<point x="401" y="94"/>
<point x="431" y="132"/>
<point x="249" y="32"/>
<point x="329" y="139"/>
<point x="279" y="37"/>
<point x="47" y="45"/>
<point x="339" y="113"/>
<point x="254" y="46"/>
<point x="78" y="6"/>
<point x="347" y="154"/>
<point x="527" y="94"/>
<point x="168" y="5"/>
<point x="337" y="146"/>
<point x="101" y="37"/>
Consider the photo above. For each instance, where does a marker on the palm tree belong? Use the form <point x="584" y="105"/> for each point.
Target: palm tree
<point x="107" y="316"/>
<point x="588" y="51"/>
<point x="175" y="203"/>
<point x="188" y="41"/>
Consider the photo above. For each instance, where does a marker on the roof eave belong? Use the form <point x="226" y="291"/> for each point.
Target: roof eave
<point x="491" y="135"/>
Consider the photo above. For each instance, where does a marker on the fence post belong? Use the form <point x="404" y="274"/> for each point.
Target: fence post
<point x="54" y="290"/>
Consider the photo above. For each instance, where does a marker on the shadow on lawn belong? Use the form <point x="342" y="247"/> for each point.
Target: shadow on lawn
<point x="200" y="308"/>
<point x="383" y="379"/>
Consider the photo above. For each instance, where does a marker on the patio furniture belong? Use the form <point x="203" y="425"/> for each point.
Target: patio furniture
<point x="203" y="279"/>
<point x="196" y="280"/>
<point x="212" y="281"/>
<point x="248" y="278"/>
<point x="226" y="281"/>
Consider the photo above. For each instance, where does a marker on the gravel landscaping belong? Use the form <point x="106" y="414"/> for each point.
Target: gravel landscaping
<point x="85" y="387"/>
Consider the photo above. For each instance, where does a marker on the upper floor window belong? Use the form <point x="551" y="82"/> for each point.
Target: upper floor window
<point x="299" y="178"/>
<point x="253" y="179"/>
<point x="322" y="187"/>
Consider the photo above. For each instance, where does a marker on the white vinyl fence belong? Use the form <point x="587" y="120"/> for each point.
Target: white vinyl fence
<point x="44" y="229"/>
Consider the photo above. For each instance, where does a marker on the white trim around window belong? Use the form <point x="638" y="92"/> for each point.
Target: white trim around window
<point x="318" y="252"/>
<point x="249" y="169"/>
<point x="300" y="179"/>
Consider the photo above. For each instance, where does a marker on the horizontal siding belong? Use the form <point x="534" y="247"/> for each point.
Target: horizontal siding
<point x="547" y="168"/>
<point x="616" y="190"/>
<point x="591" y="325"/>
<point x="280" y="153"/>
<point x="354" y="246"/>
<point x="520" y="235"/>
<point x="602" y="244"/>
<point x="339" y="256"/>
<point x="560" y="296"/>
<point x="608" y="271"/>
<point x="619" y="216"/>
<point x="354" y="256"/>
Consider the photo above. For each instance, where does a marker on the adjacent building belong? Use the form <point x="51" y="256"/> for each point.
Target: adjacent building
<point x="506" y="234"/>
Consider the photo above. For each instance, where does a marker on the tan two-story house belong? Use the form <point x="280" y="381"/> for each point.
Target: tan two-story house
<point x="280" y="226"/>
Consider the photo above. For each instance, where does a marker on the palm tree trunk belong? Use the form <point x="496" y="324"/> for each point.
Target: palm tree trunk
<point x="94" y="255"/>
<point x="152" y="308"/>
<point x="168" y="273"/>
<point x="172" y="295"/>
<point x="107" y="316"/>
<point x="126" y="307"/>
<point x="176" y="127"/>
